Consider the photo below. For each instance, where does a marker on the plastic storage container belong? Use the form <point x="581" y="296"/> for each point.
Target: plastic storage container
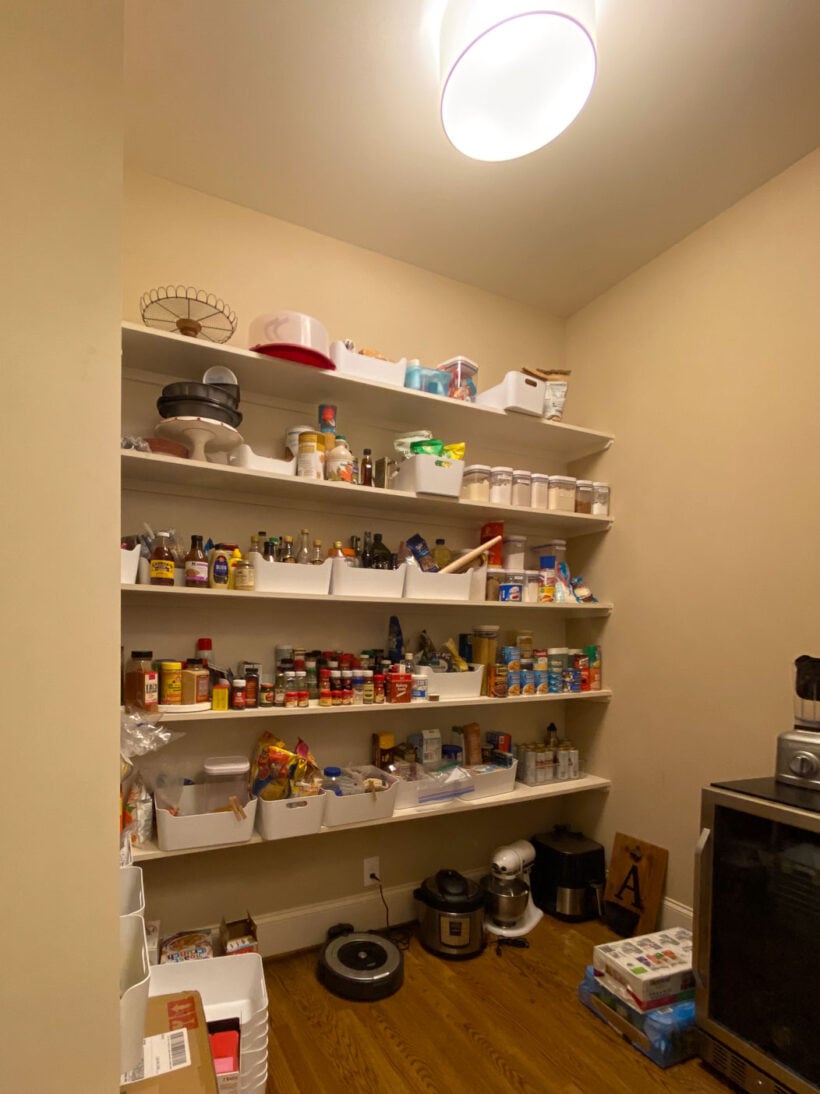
<point x="426" y="379"/>
<point x="132" y="895"/>
<point x="347" y="580"/>
<point x="583" y="496"/>
<point x="462" y="372"/>
<point x="454" y="685"/>
<point x="225" y="777"/>
<point x="350" y="363"/>
<point x="562" y="493"/>
<point x="363" y="806"/>
<point x="195" y="827"/>
<point x="419" y="585"/>
<point x="516" y="392"/>
<point x="290" y="816"/>
<point x="284" y="577"/>
<point x="501" y="485"/>
<point x="513" y="551"/>
<point x="134" y="984"/>
<point x="522" y="488"/>
<point x="422" y="474"/>
<point x="475" y="484"/>
<point x="540" y="496"/>
<point x="600" y="499"/>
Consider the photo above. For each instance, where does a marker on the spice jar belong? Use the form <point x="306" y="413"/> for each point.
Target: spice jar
<point x="475" y="484"/>
<point x="170" y="683"/>
<point x="583" y="496"/>
<point x="244" y="575"/>
<point x="562" y="493"/>
<point x="239" y="694"/>
<point x="501" y="486"/>
<point x="521" y="488"/>
<point x="141" y="680"/>
<point x="600" y="499"/>
<point x="540" y="498"/>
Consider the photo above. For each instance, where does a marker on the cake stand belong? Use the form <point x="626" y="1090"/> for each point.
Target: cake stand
<point x="200" y="434"/>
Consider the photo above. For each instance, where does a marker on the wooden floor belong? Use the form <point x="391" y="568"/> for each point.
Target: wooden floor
<point x="489" y="1024"/>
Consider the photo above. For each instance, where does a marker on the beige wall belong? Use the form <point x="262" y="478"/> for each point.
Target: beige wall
<point x="60" y="192"/>
<point x="175" y="235"/>
<point x="706" y="366"/>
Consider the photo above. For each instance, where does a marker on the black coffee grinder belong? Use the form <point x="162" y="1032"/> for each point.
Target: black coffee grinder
<point x="568" y="875"/>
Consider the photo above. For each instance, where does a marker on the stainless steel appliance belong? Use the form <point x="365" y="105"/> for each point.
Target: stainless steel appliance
<point x="568" y="875"/>
<point x="798" y="750"/>
<point x="511" y="911"/>
<point x="757" y="924"/>
<point x="451" y="914"/>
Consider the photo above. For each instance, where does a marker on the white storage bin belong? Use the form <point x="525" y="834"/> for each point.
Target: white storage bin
<point x="129" y="565"/>
<point x="419" y="585"/>
<point x="231" y="987"/>
<point x="491" y="779"/>
<point x="194" y="828"/>
<point x="288" y="577"/>
<point x="354" y="808"/>
<point x="290" y="816"/>
<point x="244" y="456"/>
<point x="454" y="685"/>
<point x="430" y="475"/>
<point x="132" y="894"/>
<point x="134" y="983"/>
<point x="349" y="580"/>
<point x="523" y="394"/>
<point x="351" y="363"/>
<point x="425" y="790"/>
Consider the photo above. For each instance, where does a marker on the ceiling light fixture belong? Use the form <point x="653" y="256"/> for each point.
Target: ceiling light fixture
<point x="514" y="75"/>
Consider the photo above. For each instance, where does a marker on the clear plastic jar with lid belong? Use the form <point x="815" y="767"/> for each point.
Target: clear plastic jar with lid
<point x="501" y="485"/>
<point x="600" y="499"/>
<point x="557" y="548"/>
<point x="475" y="485"/>
<point x="583" y="496"/>
<point x="562" y="493"/>
<point x="540" y="494"/>
<point x="521" y="488"/>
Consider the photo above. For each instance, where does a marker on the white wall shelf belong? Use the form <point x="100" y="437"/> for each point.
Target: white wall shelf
<point x="431" y="706"/>
<point x="519" y="795"/>
<point x="137" y="594"/>
<point x="168" y="474"/>
<point x="173" y="355"/>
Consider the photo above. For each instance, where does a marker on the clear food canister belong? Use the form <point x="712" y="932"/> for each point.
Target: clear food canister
<point x="583" y="496"/>
<point x="540" y="495"/>
<point x="521" y="488"/>
<point x="475" y="484"/>
<point x="501" y="485"/>
<point x="562" y="493"/>
<point x="226" y="777"/>
<point x="557" y="548"/>
<point x="600" y="499"/>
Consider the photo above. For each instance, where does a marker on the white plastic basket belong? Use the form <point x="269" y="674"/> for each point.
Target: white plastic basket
<point x="244" y="456"/>
<point x="517" y="392"/>
<point x="430" y="475"/>
<point x="129" y="565"/>
<point x="347" y="580"/>
<point x="355" y="808"/>
<point x="454" y="685"/>
<point x="491" y="779"/>
<point x="351" y="363"/>
<point x="132" y="895"/>
<point x="290" y="816"/>
<point x="285" y="577"/>
<point x="419" y="585"/>
<point x="231" y="987"/>
<point x="134" y="984"/>
<point x="194" y="828"/>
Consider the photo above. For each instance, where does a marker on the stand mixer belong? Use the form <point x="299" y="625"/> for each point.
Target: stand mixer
<point x="511" y="911"/>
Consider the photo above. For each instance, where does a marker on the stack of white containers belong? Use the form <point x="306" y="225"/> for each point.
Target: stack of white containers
<point x="231" y="988"/>
<point x="133" y="968"/>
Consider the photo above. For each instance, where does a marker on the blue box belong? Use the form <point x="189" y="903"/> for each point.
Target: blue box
<point x="665" y="1034"/>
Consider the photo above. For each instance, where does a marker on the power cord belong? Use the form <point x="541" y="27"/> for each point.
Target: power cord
<point x="399" y="936"/>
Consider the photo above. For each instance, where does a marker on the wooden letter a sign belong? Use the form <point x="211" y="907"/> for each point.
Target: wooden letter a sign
<point x="634" y="885"/>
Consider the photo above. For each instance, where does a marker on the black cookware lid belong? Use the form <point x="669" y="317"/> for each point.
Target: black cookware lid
<point x="450" y="891"/>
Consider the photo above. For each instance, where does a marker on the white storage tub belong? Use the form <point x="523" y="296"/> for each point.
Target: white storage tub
<point x="425" y="790"/>
<point x="134" y="986"/>
<point x="354" y="808"/>
<point x="244" y="456"/>
<point x="430" y="475"/>
<point x="351" y="363"/>
<point x="454" y="685"/>
<point x="419" y="585"/>
<point x="290" y="816"/>
<point x="195" y="828"/>
<point x="287" y="577"/>
<point x="491" y="779"/>
<point x="129" y="565"/>
<point x="516" y="392"/>
<point x="347" y="580"/>
<point x="231" y="987"/>
<point x="132" y="894"/>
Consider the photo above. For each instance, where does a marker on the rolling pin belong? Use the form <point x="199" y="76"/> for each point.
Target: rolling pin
<point x="471" y="556"/>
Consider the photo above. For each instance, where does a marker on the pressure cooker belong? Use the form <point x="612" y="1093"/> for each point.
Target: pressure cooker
<point x="451" y="914"/>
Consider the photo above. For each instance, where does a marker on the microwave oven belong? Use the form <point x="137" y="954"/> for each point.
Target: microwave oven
<point x="756" y="951"/>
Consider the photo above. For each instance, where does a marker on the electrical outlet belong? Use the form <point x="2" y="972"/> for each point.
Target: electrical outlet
<point x="371" y="866"/>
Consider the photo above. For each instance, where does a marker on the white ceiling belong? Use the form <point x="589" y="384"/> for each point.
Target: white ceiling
<point x="325" y="113"/>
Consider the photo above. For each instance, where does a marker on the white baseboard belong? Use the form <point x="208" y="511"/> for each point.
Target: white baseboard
<point x="304" y="927"/>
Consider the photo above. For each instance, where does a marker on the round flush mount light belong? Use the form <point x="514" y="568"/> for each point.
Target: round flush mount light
<point x="514" y="75"/>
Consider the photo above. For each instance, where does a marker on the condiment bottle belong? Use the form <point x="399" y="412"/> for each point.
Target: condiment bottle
<point x="316" y="553"/>
<point x="161" y="568"/>
<point x="366" y="469"/>
<point x="442" y="554"/>
<point x="196" y="565"/>
<point x="287" y="550"/>
<point x="142" y="680"/>
<point x="336" y="551"/>
<point x="220" y="697"/>
<point x="219" y="562"/>
<point x="303" y="554"/>
<point x="244" y="575"/>
<point x="239" y="694"/>
<point x="170" y="683"/>
<point x="382" y="558"/>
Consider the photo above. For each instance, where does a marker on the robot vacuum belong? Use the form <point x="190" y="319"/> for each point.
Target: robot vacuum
<point x="360" y="965"/>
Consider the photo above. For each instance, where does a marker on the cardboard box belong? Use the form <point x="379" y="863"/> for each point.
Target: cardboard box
<point x="165" y="1013"/>
<point x="653" y="969"/>
<point x="238" y="936"/>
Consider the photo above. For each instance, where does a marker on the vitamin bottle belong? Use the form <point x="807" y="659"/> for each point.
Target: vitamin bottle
<point x="196" y="565"/>
<point x="161" y="569"/>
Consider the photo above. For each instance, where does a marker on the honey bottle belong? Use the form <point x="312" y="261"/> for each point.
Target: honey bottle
<point x="161" y="568"/>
